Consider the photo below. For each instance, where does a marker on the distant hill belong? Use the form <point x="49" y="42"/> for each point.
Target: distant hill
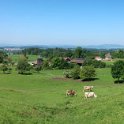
<point x="103" y="46"/>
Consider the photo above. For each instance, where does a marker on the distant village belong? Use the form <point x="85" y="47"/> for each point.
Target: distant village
<point x="78" y="61"/>
<point x="108" y="57"/>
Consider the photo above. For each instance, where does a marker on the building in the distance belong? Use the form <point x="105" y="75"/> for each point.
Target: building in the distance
<point x="78" y="61"/>
<point x="98" y="58"/>
<point x="108" y="57"/>
<point x="38" y="62"/>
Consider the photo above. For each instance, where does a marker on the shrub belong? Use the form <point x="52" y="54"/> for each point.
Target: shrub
<point x="37" y="68"/>
<point x="87" y="73"/>
<point x="46" y="65"/>
<point x="76" y="72"/>
<point x="67" y="74"/>
<point x="23" y="67"/>
<point x="6" y="69"/>
<point x="117" y="70"/>
<point x="94" y="63"/>
<point x="60" y="63"/>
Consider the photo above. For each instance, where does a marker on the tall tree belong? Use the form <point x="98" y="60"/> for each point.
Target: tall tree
<point x="117" y="70"/>
<point x="78" y="52"/>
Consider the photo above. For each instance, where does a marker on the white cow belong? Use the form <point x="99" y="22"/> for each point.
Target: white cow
<point x="90" y="95"/>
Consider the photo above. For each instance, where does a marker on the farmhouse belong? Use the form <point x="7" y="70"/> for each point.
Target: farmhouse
<point x="98" y="58"/>
<point x="108" y="57"/>
<point x="78" y="61"/>
<point x="68" y="59"/>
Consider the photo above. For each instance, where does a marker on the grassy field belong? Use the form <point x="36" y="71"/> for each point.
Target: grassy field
<point x="40" y="99"/>
<point x="15" y="58"/>
<point x="111" y="62"/>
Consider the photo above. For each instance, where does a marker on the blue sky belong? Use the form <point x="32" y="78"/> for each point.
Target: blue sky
<point x="62" y="22"/>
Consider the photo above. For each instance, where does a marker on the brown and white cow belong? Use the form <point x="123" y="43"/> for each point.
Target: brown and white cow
<point x="71" y="93"/>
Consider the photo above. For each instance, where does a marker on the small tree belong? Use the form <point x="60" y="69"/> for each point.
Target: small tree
<point x="46" y="65"/>
<point x="6" y="69"/>
<point x="94" y="63"/>
<point x="117" y="70"/>
<point x="87" y="73"/>
<point x="23" y="66"/>
<point x="37" y="68"/>
<point x="60" y="63"/>
<point x="76" y="72"/>
<point x="67" y="74"/>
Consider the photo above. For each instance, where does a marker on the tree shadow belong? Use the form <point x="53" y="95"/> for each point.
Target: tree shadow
<point x="7" y="73"/>
<point x="89" y="79"/>
<point x="28" y="73"/>
<point x="119" y="81"/>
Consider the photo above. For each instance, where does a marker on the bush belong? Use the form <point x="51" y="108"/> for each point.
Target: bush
<point x="87" y="73"/>
<point x="76" y="72"/>
<point x="117" y="70"/>
<point x="37" y="68"/>
<point x="60" y="63"/>
<point x="6" y="69"/>
<point x="67" y="74"/>
<point x="23" y="67"/>
<point x="94" y="63"/>
<point x="46" y="65"/>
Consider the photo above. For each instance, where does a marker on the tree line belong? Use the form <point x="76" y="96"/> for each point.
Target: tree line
<point x="87" y="71"/>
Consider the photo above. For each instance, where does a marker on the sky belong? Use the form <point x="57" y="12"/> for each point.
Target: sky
<point x="61" y="22"/>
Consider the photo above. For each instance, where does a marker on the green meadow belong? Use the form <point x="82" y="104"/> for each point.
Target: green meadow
<point x="15" y="57"/>
<point x="40" y="99"/>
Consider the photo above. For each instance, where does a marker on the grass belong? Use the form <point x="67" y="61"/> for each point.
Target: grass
<point x="40" y="99"/>
<point x="109" y="63"/>
<point x="15" y="57"/>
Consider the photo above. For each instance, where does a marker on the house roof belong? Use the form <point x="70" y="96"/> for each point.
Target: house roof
<point x="77" y="60"/>
<point x="67" y="58"/>
<point x="97" y="57"/>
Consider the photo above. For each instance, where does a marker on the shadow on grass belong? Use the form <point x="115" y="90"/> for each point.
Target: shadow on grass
<point x="25" y="73"/>
<point x="89" y="79"/>
<point x="6" y="73"/>
<point x="119" y="81"/>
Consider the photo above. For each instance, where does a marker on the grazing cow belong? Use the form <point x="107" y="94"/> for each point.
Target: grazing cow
<point x="88" y="88"/>
<point x="71" y="93"/>
<point x="90" y="95"/>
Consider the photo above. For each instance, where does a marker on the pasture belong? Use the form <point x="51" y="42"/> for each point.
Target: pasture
<point x="16" y="57"/>
<point x="40" y="99"/>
